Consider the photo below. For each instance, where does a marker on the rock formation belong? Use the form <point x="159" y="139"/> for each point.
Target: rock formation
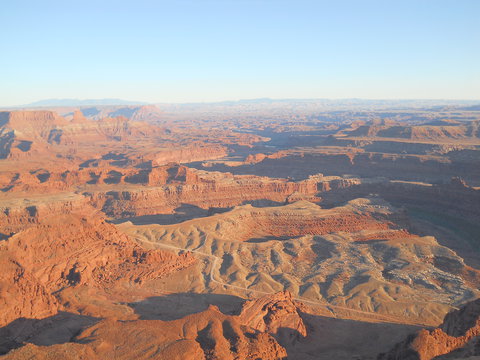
<point x="456" y="338"/>
<point x="72" y="250"/>
<point x="209" y="334"/>
<point x="226" y="232"/>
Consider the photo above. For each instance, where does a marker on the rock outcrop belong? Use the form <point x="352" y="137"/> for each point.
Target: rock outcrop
<point x="431" y="131"/>
<point x="206" y="190"/>
<point x="72" y="250"/>
<point x="28" y="134"/>
<point x="257" y="333"/>
<point x="277" y="314"/>
<point x="358" y="256"/>
<point x="456" y="338"/>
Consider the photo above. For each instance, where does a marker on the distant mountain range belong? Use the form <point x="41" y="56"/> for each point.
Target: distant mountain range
<point x="78" y="102"/>
<point x="467" y="105"/>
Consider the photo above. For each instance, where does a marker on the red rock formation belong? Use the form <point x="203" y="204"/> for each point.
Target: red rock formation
<point x="17" y="215"/>
<point x="206" y="335"/>
<point x="71" y="250"/>
<point x="436" y="131"/>
<point x="79" y="118"/>
<point x="44" y="133"/>
<point x="459" y="328"/>
<point x="31" y="120"/>
<point x="188" y="153"/>
<point x="276" y="314"/>
<point x="149" y="113"/>
<point x="207" y="190"/>
<point x="42" y="181"/>
<point x="254" y="159"/>
<point x="21" y="293"/>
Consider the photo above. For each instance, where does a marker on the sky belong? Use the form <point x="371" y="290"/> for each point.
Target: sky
<point x="212" y="50"/>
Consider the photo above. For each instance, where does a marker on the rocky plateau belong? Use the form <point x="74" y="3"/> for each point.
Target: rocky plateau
<point x="226" y="232"/>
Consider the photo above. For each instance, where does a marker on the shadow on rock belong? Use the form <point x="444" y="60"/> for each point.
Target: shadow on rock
<point x="58" y="329"/>
<point x="177" y="306"/>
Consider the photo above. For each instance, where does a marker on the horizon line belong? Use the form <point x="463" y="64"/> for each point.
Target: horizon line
<point x="133" y="102"/>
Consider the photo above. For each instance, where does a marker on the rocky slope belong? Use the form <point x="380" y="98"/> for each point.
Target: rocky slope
<point x="118" y="240"/>
<point x="72" y="250"/>
<point x="456" y="338"/>
<point x="438" y="130"/>
<point x="357" y="257"/>
<point x="27" y="135"/>
<point x="127" y="193"/>
<point x="257" y="333"/>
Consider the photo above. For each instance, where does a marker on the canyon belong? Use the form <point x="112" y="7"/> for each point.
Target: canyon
<point x="239" y="232"/>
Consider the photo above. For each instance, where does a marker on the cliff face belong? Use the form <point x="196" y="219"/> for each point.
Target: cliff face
<point x="17" y="215"/>
<point x="19" y="131"/>
<point x="456" y="336"/>
<point x="435" y="131"/>
<point x="190" y="153"/>
<point x="150" y="191"/>
<point x="392" y="160"/>
<point x="42" y="181"/>
<point x="31" y="120"/>
<point x="211" y="191"/>
<point x="455" y="197"/>
<point x="27" y="134"/>
<point x="189" y="246"/>
<point x="204" y="194"/>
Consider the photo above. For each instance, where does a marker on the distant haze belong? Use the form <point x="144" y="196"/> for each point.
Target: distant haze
<point x="263" y="103"/>
<point x="77" y="102"/>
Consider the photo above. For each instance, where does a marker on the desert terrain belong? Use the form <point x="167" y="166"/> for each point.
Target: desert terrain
<point x="240" y="230"/>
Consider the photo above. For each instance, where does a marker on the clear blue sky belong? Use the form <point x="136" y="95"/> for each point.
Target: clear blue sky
<point x="207" y="50"/>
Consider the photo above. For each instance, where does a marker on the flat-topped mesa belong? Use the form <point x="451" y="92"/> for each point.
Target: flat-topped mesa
<point x="37" y="119"/>
<point x="193" y="152"/>
<point x="19" y="131"/>
<point x="39" y="122"/>
<point x="431" y="131"/>
<point x="256" y="158"/>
